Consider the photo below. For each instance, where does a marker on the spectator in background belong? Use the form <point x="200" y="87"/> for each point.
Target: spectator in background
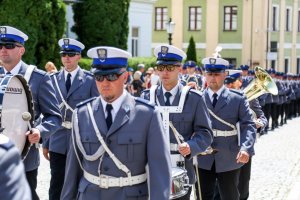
<point x="50" y="67"/>
<point x="137" y="85"/>
<point x="129" y="80"/>
<point x="147" y="78"/>
<point x="141" y="68"/>
<point x="154" y="77"/>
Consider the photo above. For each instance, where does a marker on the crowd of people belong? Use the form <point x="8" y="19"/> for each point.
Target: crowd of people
<point x="160" y="133"/>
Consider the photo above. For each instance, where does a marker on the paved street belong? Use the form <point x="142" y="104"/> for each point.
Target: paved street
<point x="275" y="167"/>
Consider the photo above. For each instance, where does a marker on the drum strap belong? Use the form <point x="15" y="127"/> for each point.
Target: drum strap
<point x="28" y="72"/>
<point x="64" y="103"/>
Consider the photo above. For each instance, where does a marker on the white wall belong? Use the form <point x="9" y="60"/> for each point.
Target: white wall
<point x="140" y="16"/>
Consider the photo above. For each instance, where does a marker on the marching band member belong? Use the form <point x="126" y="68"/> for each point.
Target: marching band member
<point x="192" y="123"/>
<point x="233" y="81"/>
<point x="12" y="49"/>
<point x="114" y="137"/>
<point x="192" y="79"/>
<point x="13" y="183"/>
<point x="73" y="85"/>
<point x="227" y="108"/>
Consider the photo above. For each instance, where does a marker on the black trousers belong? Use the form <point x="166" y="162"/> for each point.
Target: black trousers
<point x="32" y="181"/>
<point x="267" y="111"/>
<point x="244" y="180"/>
<point x="227" y="182"/>
<point x="57" y="166"/>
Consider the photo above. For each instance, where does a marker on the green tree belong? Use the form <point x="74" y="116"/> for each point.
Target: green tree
<point x="102" y="22"/>
<point x="191" y="50"/>
<point x="43" y="21"/>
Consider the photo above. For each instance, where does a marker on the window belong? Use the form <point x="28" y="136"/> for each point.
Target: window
<point x="273" y="46"/>
<point x="230" y="18"/>
<point x="286" y="65"/>
<point x="298" y="20"/>
<point x="275" y="16"/>
<point x="273" y="64"/>
<point x="134" y="41"/>
<point x="161" y="18"/>
<point x="288" y="23"/>
<point x="195" y="18"/>
<point x="298" y="65"/>
<point x="232" y="61"/>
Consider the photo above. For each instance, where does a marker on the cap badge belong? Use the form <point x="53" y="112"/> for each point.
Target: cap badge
<point x="164" y="50"/>
<point x="2" y="31"/>
<point x="212" y="61"/>
<point x="102" y="54"/>
<point x="66" y="42"/>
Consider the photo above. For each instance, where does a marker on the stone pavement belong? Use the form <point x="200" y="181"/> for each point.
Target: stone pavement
<point x="275" y="167"/>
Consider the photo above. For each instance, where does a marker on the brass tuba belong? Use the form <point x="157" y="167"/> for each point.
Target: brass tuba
<point x="263" y="83"/>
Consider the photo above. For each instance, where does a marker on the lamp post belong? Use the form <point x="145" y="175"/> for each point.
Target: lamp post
<point x="170" y="29"/>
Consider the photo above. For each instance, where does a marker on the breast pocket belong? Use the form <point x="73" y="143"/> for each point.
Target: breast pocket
<point x="90" y="144"/>
<point x="182" y="122"/>
<point x="131" y="144"/>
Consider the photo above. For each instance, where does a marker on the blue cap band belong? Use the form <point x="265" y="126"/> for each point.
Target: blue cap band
<point x="111" y="61"/>
<point x="214" y="67"/>
<point x="13" y="37"/>
<point x="169" y="56"/>
<point x="72" y="47"/>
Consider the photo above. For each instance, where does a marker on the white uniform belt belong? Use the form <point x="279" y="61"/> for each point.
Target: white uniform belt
<point x="173" y="147"/>
<point x="104" y="181"/>
<point x="219" y="133"/>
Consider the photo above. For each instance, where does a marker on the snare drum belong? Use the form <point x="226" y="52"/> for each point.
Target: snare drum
<point x="15" y="99"/>
<point x="180" y="183"/>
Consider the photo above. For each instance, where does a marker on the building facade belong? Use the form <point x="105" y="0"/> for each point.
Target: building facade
<point x="253" y="32"/>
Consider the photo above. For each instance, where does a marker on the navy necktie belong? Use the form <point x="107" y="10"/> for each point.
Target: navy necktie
<point x="68" y="82"/>
<point x="109" y="116"/>
<point x="8" y="73"/>
<point x="168" y="95"/>
<point x="215" y="95"/>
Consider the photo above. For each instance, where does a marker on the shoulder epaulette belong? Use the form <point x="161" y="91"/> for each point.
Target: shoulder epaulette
<point x="85" y="102"/>
<point x="39" y="71"/>
<point x="87" y="72"/>
<point x="196" y="92"/>
<point x="55" y="73"/>
<point x="5" y="143"/>
<point x="239" y="92"/>
<point x="144" y="101"/>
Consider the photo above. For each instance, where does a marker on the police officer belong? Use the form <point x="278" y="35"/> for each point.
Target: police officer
<point x="246" y="78"/>
<point x="227" y="108"/>
<point x="72" y="85"/>
<point x="12" y="49"/>
<point x="233" y="81"/>
<point x="114" y="137"/>
<point x="193" y="122"/>
<point x="192" y="79"/>
<point x="13" y="184"/>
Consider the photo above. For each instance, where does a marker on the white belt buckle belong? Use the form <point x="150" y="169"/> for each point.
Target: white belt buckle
<point x="103" y="182"/>
<point x="67" y="124"/>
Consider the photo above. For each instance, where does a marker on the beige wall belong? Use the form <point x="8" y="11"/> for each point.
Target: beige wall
<point x="177" y="17"/>
<point x="212" y="36"/>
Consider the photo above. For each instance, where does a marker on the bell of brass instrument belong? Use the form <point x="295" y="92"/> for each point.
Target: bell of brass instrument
<point x="263" y="83"/>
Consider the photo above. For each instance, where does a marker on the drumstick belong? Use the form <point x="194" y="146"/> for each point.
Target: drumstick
<point x="26" y="116"/>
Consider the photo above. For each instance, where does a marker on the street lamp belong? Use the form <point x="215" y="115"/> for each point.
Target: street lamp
<point x="170" y="29"/>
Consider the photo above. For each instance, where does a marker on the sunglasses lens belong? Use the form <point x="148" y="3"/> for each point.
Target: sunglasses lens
<point x="170" y="68"/>
<point x="68" y="54"/>
<point x="8" y="46"/>
<point x="160" y="68"/>
<point x="109" y="77"/>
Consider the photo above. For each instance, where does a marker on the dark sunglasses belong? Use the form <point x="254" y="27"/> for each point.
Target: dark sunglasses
<point x="69" y="54"/>
<point x="109" y="77"/>
<point x="9" y="45"/>
<point x="169" y="68"/>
